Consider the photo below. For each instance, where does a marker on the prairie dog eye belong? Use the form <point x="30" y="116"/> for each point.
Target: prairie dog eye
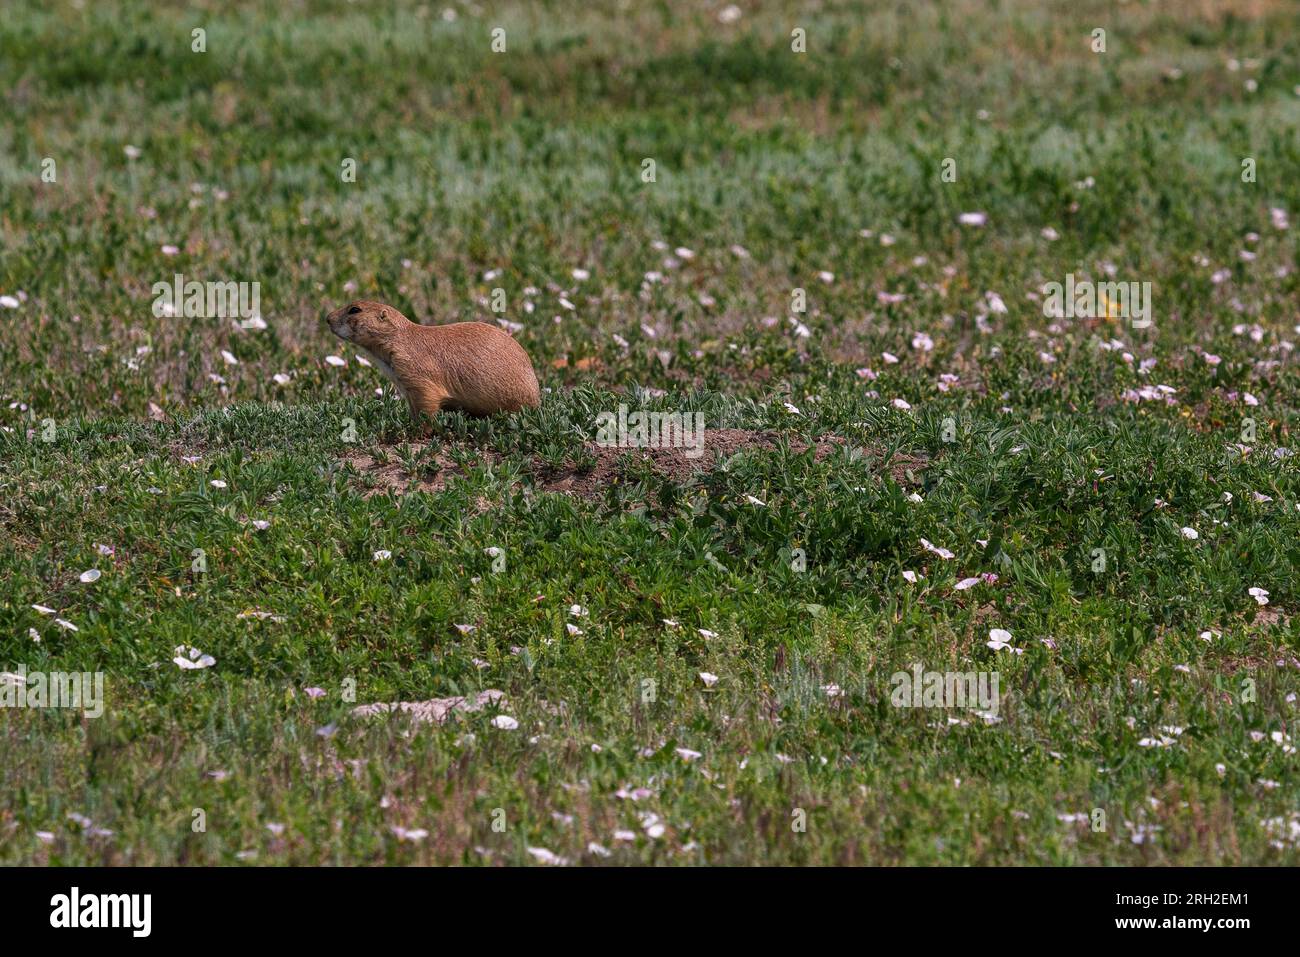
<point x="354" y="310"/>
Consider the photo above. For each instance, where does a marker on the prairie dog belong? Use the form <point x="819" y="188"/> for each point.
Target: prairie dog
<point x="469" y="366"/>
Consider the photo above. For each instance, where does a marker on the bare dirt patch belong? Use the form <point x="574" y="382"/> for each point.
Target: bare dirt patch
<point x="392" y="474"/>
<point x="385" y="471"/>
<point x="1269" y="616"/>
<point x="612" y="464"/>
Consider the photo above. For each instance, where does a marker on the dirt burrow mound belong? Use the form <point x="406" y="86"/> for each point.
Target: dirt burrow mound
<point x="392" y="474"/>
<point x="675" y="465"/>
<point x="613" y="464"/>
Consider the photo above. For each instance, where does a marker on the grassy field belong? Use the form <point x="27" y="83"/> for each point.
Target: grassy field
<point x="696" y="657"/>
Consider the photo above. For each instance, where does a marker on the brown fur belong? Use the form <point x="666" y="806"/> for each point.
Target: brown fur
<point x="470" y="366"/>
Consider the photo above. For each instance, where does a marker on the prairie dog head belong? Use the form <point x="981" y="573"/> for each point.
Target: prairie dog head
<point x="370" y="325"/>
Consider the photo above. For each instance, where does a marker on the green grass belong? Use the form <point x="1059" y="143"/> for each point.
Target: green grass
<point x="115" y="422"/>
